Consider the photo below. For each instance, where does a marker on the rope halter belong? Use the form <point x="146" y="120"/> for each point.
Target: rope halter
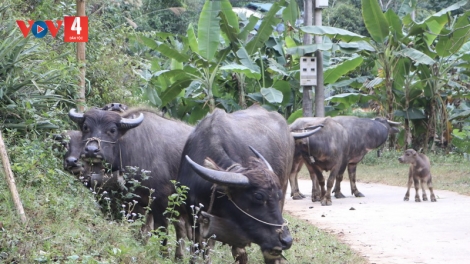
<point x="99" y="140"/>
<point x="261" y="221"/>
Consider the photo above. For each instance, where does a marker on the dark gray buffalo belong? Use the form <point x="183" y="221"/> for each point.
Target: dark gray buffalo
<point x="71" y="142"/>
<point x="365" y="134"/>
<point x="325" y="151"/>
<point x="237" y="166"/>
<point x="137" y="138"/>
<point x="118" y="107"/>
<point x="343" y="143"/>
<point x="420" y="174"/>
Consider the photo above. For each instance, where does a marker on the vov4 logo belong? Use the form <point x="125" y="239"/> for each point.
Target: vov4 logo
<point x="75" y="28"/>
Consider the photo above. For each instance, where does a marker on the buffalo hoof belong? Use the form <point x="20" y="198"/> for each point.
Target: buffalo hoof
<point x="298" y="196"/>
<point x="425" y="198"/>
<point x="326" y="202"/>
<point x="359" y="194"/>
<point x="433" y="199"/>
<point x="316" y="199"/>
<point x="339" y="195"/>
<point x="418" y="200"/>
<point x="406" y="199"/>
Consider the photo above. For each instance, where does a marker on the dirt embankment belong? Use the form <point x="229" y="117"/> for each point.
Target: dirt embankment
<point x="385" y="229"/>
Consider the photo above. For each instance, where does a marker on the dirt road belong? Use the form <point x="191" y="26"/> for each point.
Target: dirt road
<point x="385" y="229"/>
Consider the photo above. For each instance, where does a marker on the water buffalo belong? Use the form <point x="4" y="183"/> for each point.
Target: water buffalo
<point x="325" y="151"/>
<point x="362" y="135"/>
<point x="420" y="173"/>
<point x="137" y="138"/>
<point x="118" y="107"/>
<point x="236" y="166"/>
<point x="365" y="134"/>
<point x="71" y="143"/>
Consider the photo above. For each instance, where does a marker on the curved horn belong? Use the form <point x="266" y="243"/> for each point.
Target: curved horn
<point x="128" y="123"/>
<point x="75" y="116"/>
<point x="262" y="158"/>
<point x="393" y="122"/>
<point x="220" y="177"/>
<point x="299" y="135"/>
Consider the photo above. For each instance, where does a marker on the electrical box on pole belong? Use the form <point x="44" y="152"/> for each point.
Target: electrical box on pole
<point x="308" y="71"/>
<point x="321" y="4"/>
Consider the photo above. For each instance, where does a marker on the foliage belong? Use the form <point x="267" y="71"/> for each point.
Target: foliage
<point x="218" y="75"/>
<point x="410" y="78"/>
<point x="344" y="15"/>
<point x="33" y="81"/>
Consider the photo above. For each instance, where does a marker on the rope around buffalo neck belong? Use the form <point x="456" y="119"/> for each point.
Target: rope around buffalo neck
<point x="261" y="221"/>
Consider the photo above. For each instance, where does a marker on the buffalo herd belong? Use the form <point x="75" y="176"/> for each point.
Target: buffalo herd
<point x="236" y="167"/>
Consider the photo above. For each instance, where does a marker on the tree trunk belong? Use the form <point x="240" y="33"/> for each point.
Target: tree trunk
<point x="390" y="100"/>
<point x="240" y="78"/>
<point x="11" y="180"/>
<point x="81" y="62"/>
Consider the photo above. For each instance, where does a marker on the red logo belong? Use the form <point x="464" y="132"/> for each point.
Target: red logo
<point x="75" y="28"/>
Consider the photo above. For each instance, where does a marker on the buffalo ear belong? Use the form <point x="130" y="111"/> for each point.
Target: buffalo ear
<point x="210" y="164"/>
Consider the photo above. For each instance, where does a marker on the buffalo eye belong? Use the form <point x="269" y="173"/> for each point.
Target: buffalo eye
<point x="112" y="130"/>
<point x="85" y="128"/>
<point x="258" y="197"/>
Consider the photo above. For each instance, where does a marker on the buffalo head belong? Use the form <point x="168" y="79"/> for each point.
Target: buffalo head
<point x="251" y="202"/>
<point x="392" y="126"/>
<point x="101" y="131"/>
<point x="118" y="107"/>
<point x="71" y="142"/>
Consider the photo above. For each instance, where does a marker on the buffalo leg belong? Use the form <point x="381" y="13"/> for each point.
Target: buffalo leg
<point x="293" y="179"/>
<point x="416" y="183"/>
<point x="410" y="181"/>
<point x="326" y="200"/>
<point x="429" y="183"/>
<point x="180" y="230"/>
<point x="316" y="176"/>
<point x="337" y="189"/>
<point x="352" y="180"/>
<point x="425" y="197"/>
<point x="240" y="255"/>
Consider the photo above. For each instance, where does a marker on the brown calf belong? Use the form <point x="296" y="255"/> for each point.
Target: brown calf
<point x="420" y="173"/>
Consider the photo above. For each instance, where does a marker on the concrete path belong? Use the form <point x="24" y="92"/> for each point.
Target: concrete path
<point x="385" y="229"/>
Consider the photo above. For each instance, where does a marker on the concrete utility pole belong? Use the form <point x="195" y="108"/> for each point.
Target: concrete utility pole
<point x="307" y="90"/>
<point x="319" y="88"/>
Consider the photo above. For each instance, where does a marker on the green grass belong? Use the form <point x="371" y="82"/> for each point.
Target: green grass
<point x="66" y="225"/>
<point x="449" y="172"/>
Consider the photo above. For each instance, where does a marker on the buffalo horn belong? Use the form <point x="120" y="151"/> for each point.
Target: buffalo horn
<point x="75" y="116"/>
<point x="393" y="123"/>
<point x="314" y="129"/>
<point x="262" y="158"/>
<point x="225" y="178"/>
<point x="128" y="123"/>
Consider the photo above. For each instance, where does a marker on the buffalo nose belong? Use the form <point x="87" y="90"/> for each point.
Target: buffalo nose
<point x="71" y="161"/>
<point x="286" y="239"/>
<point x="92" y="149"/>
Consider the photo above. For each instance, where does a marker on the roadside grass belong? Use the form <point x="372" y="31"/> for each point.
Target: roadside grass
<point x="449" y="172"/>
<point x="66" y="225"/>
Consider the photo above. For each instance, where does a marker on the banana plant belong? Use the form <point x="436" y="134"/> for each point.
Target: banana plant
<point x="213" y="66"/>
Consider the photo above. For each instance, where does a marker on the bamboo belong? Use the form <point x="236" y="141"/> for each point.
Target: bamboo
<point x="11" y="180"/>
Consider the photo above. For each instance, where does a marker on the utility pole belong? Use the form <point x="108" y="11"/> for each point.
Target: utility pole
<point x="319" y="88"/>
<point x="307" y="89"/>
